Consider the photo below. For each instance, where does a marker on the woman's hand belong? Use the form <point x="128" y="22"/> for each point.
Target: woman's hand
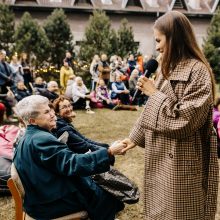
<point x="129" y="145"/>
<point x="116" y="148"/>
<point x="146" y="86"/>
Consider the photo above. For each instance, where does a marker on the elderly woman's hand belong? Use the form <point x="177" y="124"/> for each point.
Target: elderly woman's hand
<point x="116" y="148"/>
<point x="146" y="86"/>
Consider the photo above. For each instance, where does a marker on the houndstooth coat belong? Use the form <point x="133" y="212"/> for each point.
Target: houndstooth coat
<point x="181" y="165"/>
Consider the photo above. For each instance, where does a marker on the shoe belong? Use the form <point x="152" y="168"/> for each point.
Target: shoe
<point x="89" y="111"/>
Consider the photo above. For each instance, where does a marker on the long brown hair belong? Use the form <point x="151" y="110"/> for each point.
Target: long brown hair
<point x="180" y="43"/>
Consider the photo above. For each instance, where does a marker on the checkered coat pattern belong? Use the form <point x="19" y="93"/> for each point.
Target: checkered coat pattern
<point x="181" y="164"/>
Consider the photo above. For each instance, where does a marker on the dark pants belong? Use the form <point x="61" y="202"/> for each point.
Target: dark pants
<point x="79" y="104"/>
<point x="8" y="107"/>
<point x="124" y="98"/>
<point x="110" y="105"/>
<point x="99" y="204"/>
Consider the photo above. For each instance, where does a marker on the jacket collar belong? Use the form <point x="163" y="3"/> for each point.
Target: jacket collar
<point x="32" y="128"/>
<point x="183" y="70"/>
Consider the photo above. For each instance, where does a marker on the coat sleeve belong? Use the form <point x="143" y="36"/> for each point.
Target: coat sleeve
<point x="137" y="134"/>
<point x="56" y="156"/>
<point x="171" y="117"/>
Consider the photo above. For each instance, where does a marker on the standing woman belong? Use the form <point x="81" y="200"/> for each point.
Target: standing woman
<point x="26" y="69"/>
<point x="66" y="72"/>
<point x="176" y="130"/>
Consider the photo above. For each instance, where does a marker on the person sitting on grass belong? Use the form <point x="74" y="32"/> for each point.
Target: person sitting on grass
<point x="39" y="83"/>
<point x="102" y="94"/>
<point x="81" y="96"/>
<point x="9" y="101"/>
<point x="21" y="91"/>
<point x="56" y="180"/>
<point x="119" y="91"/>
<point x="140" y="99"/>
<point x="51" y="92"/>
<point x="70" y="81"/>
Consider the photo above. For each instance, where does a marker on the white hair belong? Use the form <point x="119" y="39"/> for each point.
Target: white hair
<point x="78" y="78"/>
<point x="51" y="83"/>
<point x="28" y="107"/>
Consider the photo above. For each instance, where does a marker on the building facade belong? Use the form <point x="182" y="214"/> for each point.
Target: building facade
<point x="140" y="14"/>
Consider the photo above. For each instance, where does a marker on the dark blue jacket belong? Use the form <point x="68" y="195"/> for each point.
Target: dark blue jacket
<point x="5" y="73"/>
<point x="76" y="141"/>
<point x="49" y="170"/>
<point x="20" y="94"/>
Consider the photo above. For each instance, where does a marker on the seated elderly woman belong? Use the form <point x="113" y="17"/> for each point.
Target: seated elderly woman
<point x="80" y="95"/>
<point x="76" y="141"/>
<point x="56" y="180"/>
<point x="21" y="91"/>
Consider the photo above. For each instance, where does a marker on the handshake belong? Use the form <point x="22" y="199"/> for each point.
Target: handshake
<point x="121" y="147"/>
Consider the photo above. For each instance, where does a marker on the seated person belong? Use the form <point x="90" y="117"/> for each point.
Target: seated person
<point x="81" y="96"/>
<point x="56" y="180"/>
<point x="102" y="94"/>
<point x="133" y="81"/>
<point x="39" y="83"/>
<point x="50" y="92"/>
<point x="76" y="141"/>
<point x="9" y="101"/>
<point x="139" y="99"/>
<point x="119" y="91"/>
<point x="21" y="91"/>
<point x="68" y="91"/>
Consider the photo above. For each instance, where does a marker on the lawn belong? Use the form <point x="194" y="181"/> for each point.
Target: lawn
<point x="107" y="126"/>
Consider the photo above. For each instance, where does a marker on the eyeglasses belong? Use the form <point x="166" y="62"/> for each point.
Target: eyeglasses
<point x="66" y="107"/>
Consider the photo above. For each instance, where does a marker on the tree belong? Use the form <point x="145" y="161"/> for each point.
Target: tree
<point x="97" y="36"/>
<point x="31" y="38"/>
<point x="7" y="27"/>
<point x="113" y="38"/>
<point x="59" y="34"/>
<point x="211" y="45"/>
<point x="126" y="41"/>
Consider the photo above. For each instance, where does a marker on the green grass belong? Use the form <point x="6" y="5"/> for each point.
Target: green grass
<point x="107" y="126"/>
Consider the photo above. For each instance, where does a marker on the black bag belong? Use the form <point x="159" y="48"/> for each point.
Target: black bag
<point x="118" y="185"/>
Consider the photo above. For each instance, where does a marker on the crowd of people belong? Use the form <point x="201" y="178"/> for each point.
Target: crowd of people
<point x="175" y="128"/>
<point x="113" y="83"/>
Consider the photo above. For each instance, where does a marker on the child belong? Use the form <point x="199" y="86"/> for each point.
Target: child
<point x="102" y="94"/>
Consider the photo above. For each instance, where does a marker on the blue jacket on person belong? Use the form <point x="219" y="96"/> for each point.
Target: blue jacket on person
<point x="76" y="141"/>
<point x="5" y="73"/>
<point x="51" y="172"/>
